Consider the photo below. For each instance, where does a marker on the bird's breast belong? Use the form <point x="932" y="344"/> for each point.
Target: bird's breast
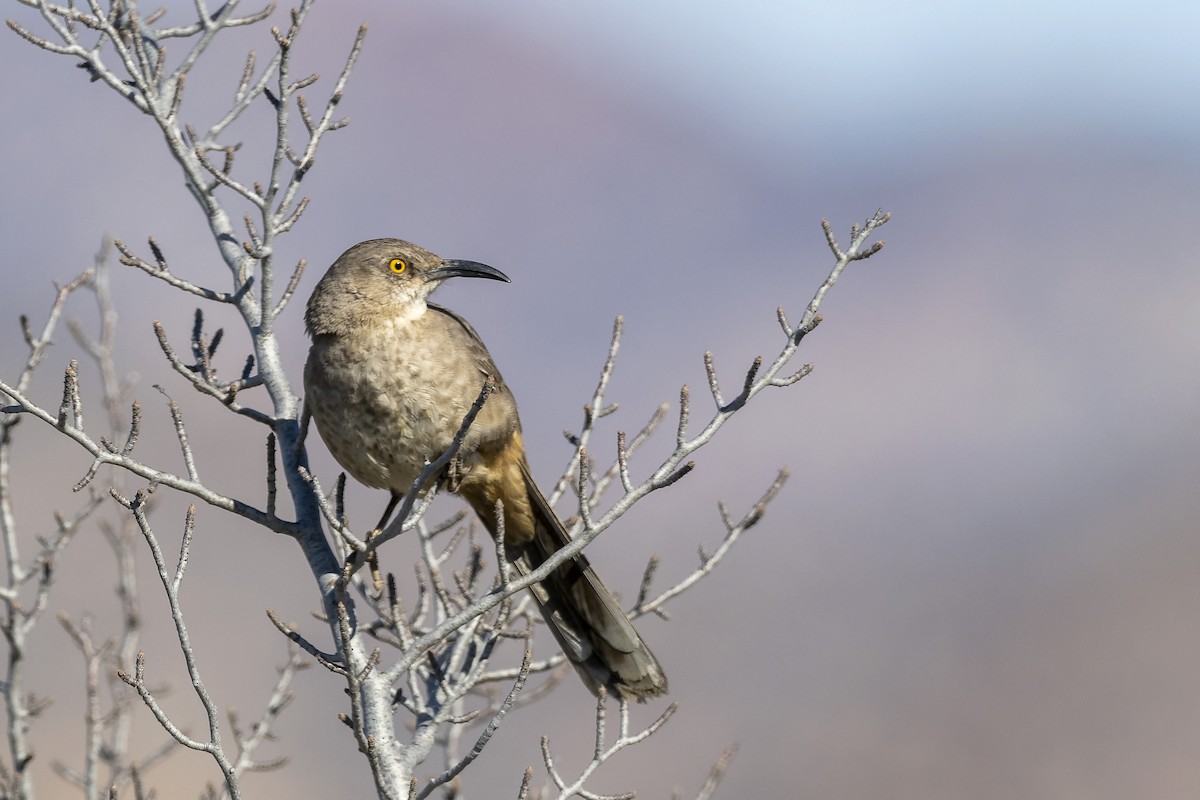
<point x="385" y="400"/>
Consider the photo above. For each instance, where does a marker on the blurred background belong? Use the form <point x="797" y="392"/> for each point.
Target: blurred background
<point x="981" y="579"/>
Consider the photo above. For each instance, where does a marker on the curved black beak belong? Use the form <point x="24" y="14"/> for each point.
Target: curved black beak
<point x="464" y="269"/>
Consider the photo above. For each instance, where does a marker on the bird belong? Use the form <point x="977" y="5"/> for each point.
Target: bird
<point x="389" y="379"/>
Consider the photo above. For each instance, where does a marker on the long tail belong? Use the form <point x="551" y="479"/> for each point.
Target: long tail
<point x="591" y="628"/>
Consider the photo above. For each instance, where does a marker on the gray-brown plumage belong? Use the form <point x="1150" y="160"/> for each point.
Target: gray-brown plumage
<point x="388" y="382"/>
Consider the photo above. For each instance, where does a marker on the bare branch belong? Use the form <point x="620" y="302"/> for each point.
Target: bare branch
<point x="733" y="532"/>
<point x="272" y="489"/>
<point x="189" y="460"/>
<point x="710" y="370"/>
<point x="195" y="376"/>
<point x="717" y="773"/>
<point x="681" y="431"/>
<point x="602" y="752"/>
<point x="492" y="727"/>
<point x="280" y="698"/>
<point x="328" y="661"/>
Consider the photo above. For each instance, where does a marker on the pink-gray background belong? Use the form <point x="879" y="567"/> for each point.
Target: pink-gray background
<point x="983" y="579"/>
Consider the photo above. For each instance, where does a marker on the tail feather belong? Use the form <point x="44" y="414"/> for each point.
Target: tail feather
<point x="591" y="628"/>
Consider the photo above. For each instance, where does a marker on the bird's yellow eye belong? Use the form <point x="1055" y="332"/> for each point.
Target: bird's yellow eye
<point x="398" y="265"/>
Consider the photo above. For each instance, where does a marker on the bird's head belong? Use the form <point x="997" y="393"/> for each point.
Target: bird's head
<point x="383" y="279"/>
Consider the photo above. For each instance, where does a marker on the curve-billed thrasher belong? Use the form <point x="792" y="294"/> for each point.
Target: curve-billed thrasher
<point x="388" y="382"/>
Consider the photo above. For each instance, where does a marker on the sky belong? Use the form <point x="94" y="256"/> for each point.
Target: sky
<point x="934" y="74"/>
<point x="980" y="578"/>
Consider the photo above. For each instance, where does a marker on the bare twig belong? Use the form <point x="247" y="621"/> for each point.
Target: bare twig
<point x="602" y="751"/>
<point x="137" y="506"/>
<point x="492" y="726"/>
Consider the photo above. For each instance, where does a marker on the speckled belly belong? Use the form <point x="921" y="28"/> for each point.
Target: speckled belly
<point x="385" y="406"/>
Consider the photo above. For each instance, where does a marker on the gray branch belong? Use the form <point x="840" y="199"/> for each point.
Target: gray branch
<point x="440" y="651"/>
